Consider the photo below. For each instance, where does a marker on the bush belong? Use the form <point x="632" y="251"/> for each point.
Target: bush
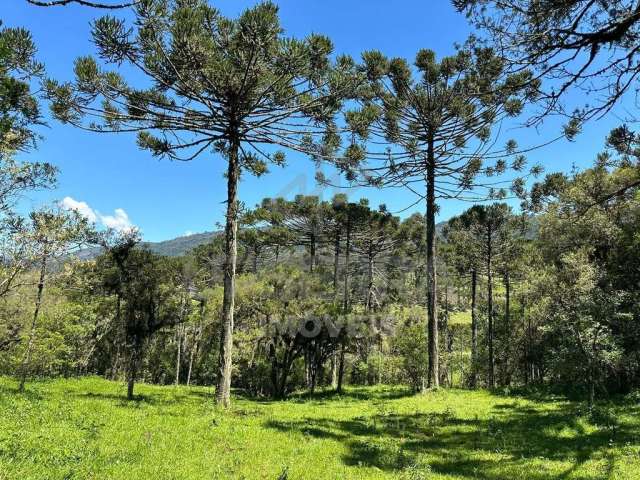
<point x="410" y="343"/>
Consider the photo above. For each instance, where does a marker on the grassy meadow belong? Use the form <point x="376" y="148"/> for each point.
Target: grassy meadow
<point x="84" y="429"/>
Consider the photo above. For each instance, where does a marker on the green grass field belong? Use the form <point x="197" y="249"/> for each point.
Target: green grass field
<point x="83" y="429"/>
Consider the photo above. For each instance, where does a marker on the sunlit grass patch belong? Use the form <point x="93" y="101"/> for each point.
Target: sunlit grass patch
<point x="83" y="429"/>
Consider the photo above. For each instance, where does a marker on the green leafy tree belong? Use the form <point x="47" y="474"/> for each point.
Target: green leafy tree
<point x="410" y="342"/>
<point x="488" y="230"/>
<point x="19" y="109"/>
<point x="376" y="239"/>
<point x="466" y="258"/>
<point x="19" y="115"/>
<point x="234" y="86"/>
<point x="271" y="217"/>
<point x="437" y="119"/>
<point x="146" y="299"/>
<point x="596" y="244"/>
<point x="50" y="234"/>
<point x="410" y="254"/>
<point x="306" y="218"/>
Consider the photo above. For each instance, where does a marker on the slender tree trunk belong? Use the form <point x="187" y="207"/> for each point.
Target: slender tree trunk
<point x="132" y="371"/>
<point x="196" y="343"/>
<point x="191" y="357"/>
<point x="312" y="248"/>
<point x="313" y="369"/>
<point x="592" y="385"/>
<point x="444" y="368"/>
<point x="530" y="363"/>
<point x="526" y="341"/>
<point x="178" y="356"/>
<point x="345" y="302"/>
<point x="369" y="304"/>
<point x="347" y="253"/>
<point x="282" y="390"/>
<point x="307" y="367"/>
<point x="474" y="329"/>
<point x="130" y="385"/>
<point x="507" y="322"/>
<point x="334" y="370"/>
<point x="341" y="367"/>
<point x="116" y="363"/>
<point x="380" y="345"/>
<point x="223" y="388"/>
<point x="336" y="263"/>
<point x="433" y="376"/>
<point x="26" y="361"/>
<point x="492" y="360"/>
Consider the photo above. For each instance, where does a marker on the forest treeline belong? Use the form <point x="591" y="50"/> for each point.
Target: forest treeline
<point x="312" y="292"/>
<point x="557" y="308"/>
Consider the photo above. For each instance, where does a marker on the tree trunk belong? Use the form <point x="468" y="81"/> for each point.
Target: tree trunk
<point x="223" y="388"/>
<point x="592" y="386"/>
<point x="530" y="364"/>
<point x="347" y="252"/>
<point x="132" y="370"/>
<point x="341" y="367"/>
<point x="492" y="360"/>
<point x="307" y="367"/>
<point x="191" y="357"/>
<point x="280" y="371"/>
<point x="527" y="348"/>
<point x="313" y="369"/>
<point x="380" y="353"/>
<point x="369" y="304"/>
<point x="345" y="303"/>
<point x="178" y="356"/>
<point x="507" y="326"/>
<point x="116" y="363"/>
<point x="196" y="343"/>
<point x="444" y="368"/>
<point x="312" y="248"/>
<point x="474" y="329"/>
<point x="131" y="378"/>
<point x="433" y="375"/>
<point x="336" y="263"/>
<point x="334" y="370"/>
<point x="130" y="384"/>
<point x="26" y="361"/>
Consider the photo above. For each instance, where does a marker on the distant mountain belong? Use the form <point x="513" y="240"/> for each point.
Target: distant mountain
<point x="167" y="248"/>
<point x="181" y="245"/>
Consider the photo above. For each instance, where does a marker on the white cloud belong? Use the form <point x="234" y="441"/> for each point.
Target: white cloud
<point x="119" y="221"/>
<point x="188" y="233"/>
<point x="82" y="208"/>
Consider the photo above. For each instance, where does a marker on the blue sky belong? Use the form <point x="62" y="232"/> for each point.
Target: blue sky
<point x="120" y="183"/>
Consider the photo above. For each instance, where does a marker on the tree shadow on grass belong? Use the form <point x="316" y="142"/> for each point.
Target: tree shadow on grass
<point x="159" y="399"/>
<point x="515" y="442"/>
<point x="355" y="394"/>
<point x="27" y="393"/>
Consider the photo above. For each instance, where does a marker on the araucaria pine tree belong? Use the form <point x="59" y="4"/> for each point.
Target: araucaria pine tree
<point x="437" y="120"/>
<point x="213" y="85"/>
